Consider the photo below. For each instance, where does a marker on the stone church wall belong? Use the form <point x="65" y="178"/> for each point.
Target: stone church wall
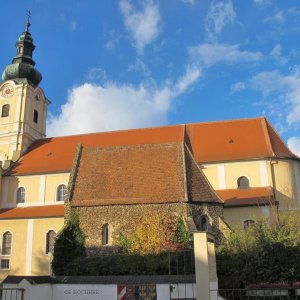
<point x="124" y="218"/>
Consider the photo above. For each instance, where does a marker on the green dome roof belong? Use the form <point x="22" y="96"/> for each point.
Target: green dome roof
<point x="22" y="67"/>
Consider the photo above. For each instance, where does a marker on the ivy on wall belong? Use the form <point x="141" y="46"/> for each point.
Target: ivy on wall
<point x="153" y="235"/>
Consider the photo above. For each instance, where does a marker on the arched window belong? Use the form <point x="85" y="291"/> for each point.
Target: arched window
<point x="204" y="223"/>
<point x="50" y="240"/>
<point x="243" y="183"/>
<point x="105" y="234"/>
<point x="61" y="193"/>
<point x="21" y="195"/>
<point x="5" y="111"/>
<point x="248" y="223"/>
<point x="6" y="243"/>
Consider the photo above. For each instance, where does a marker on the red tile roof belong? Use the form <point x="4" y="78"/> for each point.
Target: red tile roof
<point x="209" y="142"/>
<point x="247" y="197"/>
<point x="236" y="140"/>
<point x="32" y="212"/>
<point x="139" y="174"/>
<point x="57" y="154"/>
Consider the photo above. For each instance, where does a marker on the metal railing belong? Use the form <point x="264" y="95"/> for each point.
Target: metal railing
<point x="258" y="294"/>
<point x="181" y="262"/>
<point x="12" y="294"/>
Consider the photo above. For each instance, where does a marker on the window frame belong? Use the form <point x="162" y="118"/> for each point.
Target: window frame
<point x="4" y="259"/>
<point x="47" y="246"/>
<point x="5" y="105"/>
<point x="243" y="188"/>
<point x="248" y="223"/>
<point x="57" y="192"/>
<point x="204" y="216"/>
<point x="11" y="243"/>
<point x="105" y="234"/>
<point x="17" y="193"/>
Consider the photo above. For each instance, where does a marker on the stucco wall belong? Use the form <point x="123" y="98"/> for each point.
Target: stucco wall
<point x="28" y="255"/>
<point x="235" y="216"/>
<point x="225" y="175"/>
<point x="40" y="189"/>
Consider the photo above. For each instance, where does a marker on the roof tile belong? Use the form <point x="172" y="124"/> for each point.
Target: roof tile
<point x="247" y="197"/>
<point x="32" y="212"/>
<point x="151" y="173"/>
<point x="208" y="142"/>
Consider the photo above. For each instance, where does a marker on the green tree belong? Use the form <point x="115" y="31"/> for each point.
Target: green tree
<point x="268" y="251"/>
<point x="69" y="245"/>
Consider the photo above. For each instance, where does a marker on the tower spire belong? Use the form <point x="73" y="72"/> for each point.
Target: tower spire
<point x="22" y="67"/>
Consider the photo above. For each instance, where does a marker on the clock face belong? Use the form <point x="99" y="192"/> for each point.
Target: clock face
<point x="7" y="91"/>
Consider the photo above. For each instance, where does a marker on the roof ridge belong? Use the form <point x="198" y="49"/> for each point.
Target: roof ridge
<point x="227" y="121"/>
<point x="251" y="189"/>
<point x="106" y="148"/>
<point x="185" y="179"/>
<point x="113" y="131"/>
<point x="153" y="127"/>
<point x="202" y="174"/>
<point x="267" y="136"/>
<point x="269" y="126"/>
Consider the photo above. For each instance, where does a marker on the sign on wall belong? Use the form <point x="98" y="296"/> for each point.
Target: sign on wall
<point x="137" y="292"/>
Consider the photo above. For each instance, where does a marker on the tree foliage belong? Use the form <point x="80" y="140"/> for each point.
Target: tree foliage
<point x="69" y="245"/>
<point x="183" y="237"/>
<point x="265" y="252"/>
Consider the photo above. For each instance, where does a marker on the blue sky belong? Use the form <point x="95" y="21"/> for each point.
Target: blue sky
<point x="110" y="65"/>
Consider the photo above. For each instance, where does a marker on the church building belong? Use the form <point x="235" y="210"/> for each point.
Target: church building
<point x="215" y="176"/>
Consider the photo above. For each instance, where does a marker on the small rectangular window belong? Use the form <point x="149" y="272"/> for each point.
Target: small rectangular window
<point x="4" y="264"/>
<point x="35" y="116"/>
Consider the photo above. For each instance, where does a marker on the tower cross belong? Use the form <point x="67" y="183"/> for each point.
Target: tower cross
<point x="28" y="14"/>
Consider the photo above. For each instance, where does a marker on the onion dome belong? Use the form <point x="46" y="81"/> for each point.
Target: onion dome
<point x="22" y="67"/>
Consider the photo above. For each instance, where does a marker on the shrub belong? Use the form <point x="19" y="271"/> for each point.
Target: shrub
<point x="133" y="264"/>
<point x="69" y="245"/>
<point x="265" y="252"/>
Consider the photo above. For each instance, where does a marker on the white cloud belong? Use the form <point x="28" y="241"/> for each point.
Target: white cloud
<point x="73" y="26"/>
<point x="96" y="74"/>
<point x="262" y="2"/>
<point x="191" y="75"/>
<point x="211" y="54"/>
<point x="219" y="15"/>
<point x="294" y="144"/>
<point x="279" y="17"/>
<point x="143" y="25"/>
<point x="277" y="56"/>
<point x="139" y="66"/>
<point x="113" y="106"/>
<point x="189" y="1"/>
<point x="110" y="45"/>
<point x="237" y="87"/>
<point x="286" y="88"/>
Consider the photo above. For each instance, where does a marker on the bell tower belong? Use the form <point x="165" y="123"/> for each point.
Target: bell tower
<point x="23" y="105"/>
